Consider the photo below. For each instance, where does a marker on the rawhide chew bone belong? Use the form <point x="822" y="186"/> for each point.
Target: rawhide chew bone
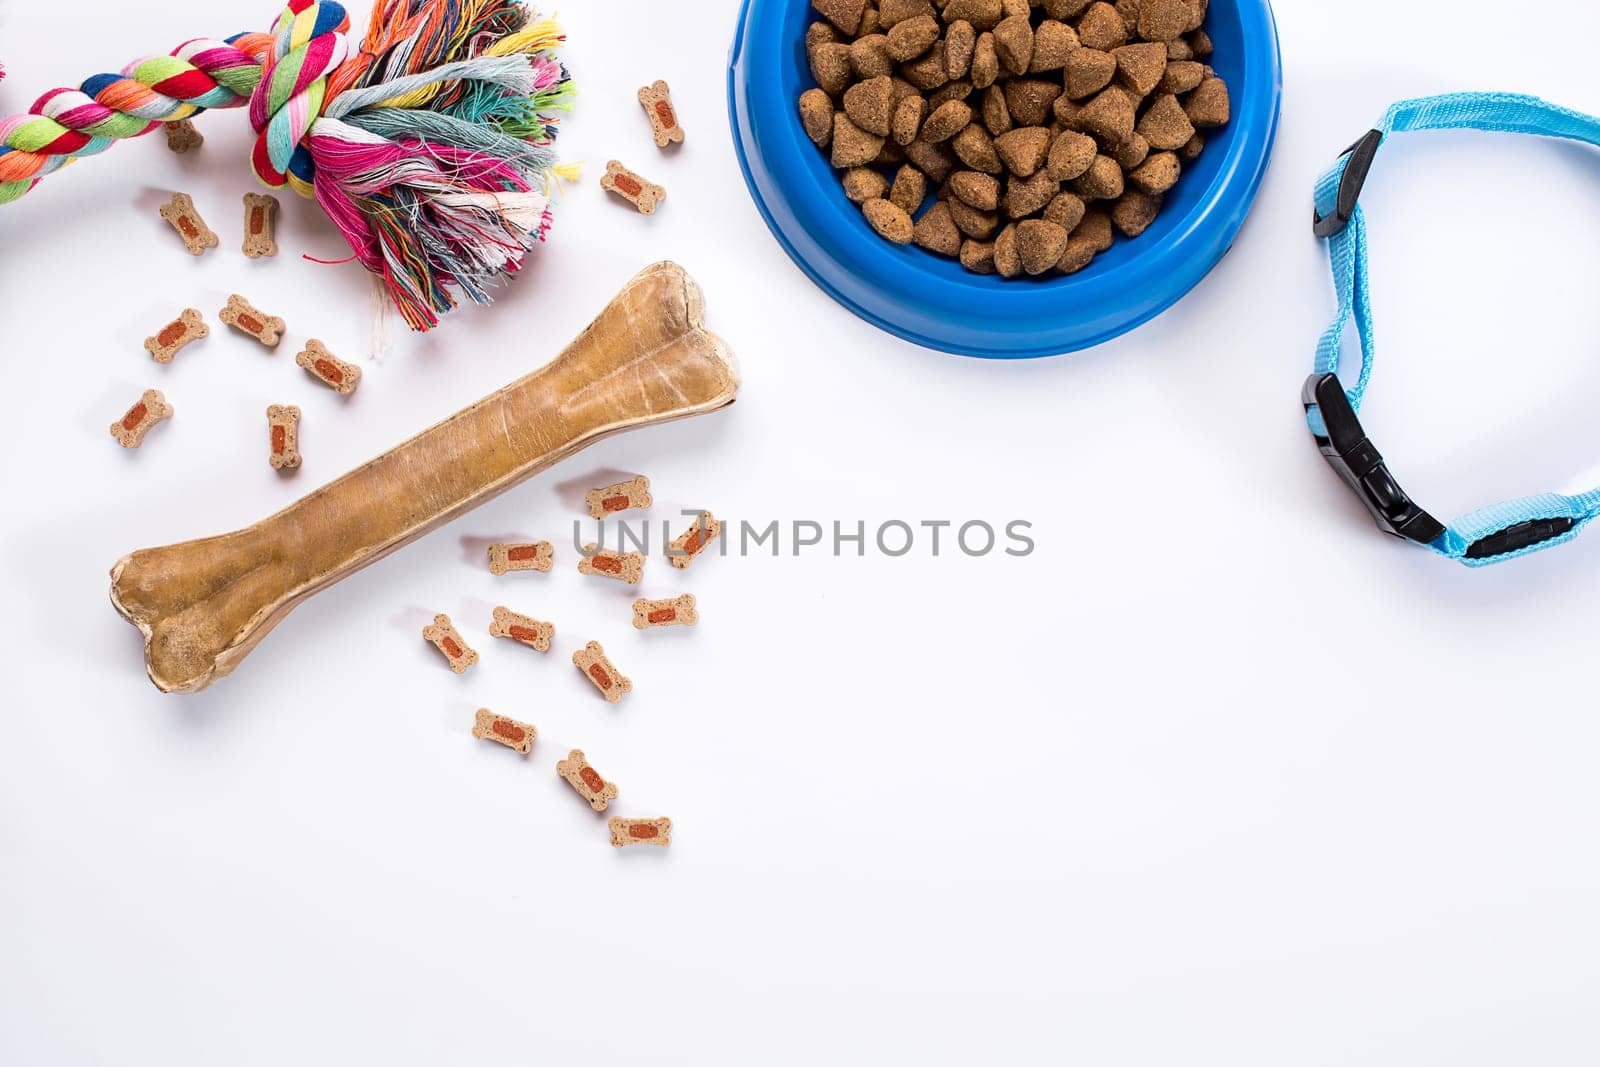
<point x="260" y="224"/>
<point x="181" y="214"/>
<point x="586" y="780"/>
<point x="203" y="605"/>
<point x="679" y="611"/>
<point x="182" y="137"/>
<point x="534" y="556"/>
<point x="687" y="546"/>
<point x="633" y="493"/>
<point x="591" y="660"/>
<point x="442" y="634"/>
<point x="428" y="141"/>
<point x="623" y="566"/>
<point x="487" y="726"/>
<point x="523" y="629"/>
<point x="643" y="195"/>
<point x="656" y="100"/>
<point x="175" y="335"/>
<point x="283" y="436"/>
<point x="625" y="832"/>
<point x="328" y="368"/>
<point x="244" y="317"/>
<point x="150" y="409"/>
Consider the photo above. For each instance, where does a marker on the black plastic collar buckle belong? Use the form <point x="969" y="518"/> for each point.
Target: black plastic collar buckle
<point x="1358" y="461"/>
<point x="1361" y="154"/>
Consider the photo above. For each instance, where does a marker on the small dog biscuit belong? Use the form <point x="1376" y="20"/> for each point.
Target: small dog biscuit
<point x="634" y="493"/>
<point x="523" y="629"/>
<point x="487" y="726"/>
<point x="643" y="195"/>
<point x="181" y="331"/>
<point x="182" y="136"/>
<point x="586" y="780"/>
<point x="151" y="408"/>
<point x="657" y="103"/>
<point x="244" y="317"/>
<point x="283" y="423"/>
<point x="445" y="638"/>
<point x="625" y="832"/>
<point x="693" y="541"/>
<point x="328" y="368"/>
<point x="180" y="212"/>
<point x="623" y="566"/>
<point x="260" y="222"/>
<point x="532" y="556"/>
<point x="591" y="660"/>
<point x="679" y="611"/>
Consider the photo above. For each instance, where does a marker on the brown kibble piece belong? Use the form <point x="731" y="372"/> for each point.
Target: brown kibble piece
<point x="283" y="437"/>
<point x="908" y="118"/>
<point x="1013" y="43"/>
<point x="601" y="672"/>
<point x="996" y="115"/>
<point x="936" y="231"/>
<point x="1088" y="71"/>
<point x="1024" y="196"/>
<point x="643" y="195"/>
<point x="976" y="189"/>
<point x="831" y="67"/>
<point x="625" y="832"/>
<point x="960" y="44"/>
<point x="1200" y="44"/>
<point x="1007" y="263"/>
<point x="327" y="368"/>
<point x="1102" y="181"/>
<point x="182" y="137"/>
<point x="948" y="120"/>
<point x="974" y="147"/>
<point x="870" y="58"/>
<point x="526" y="556"/>
<point x="934" y="160"/>
<point x="985" y="62"/>
<point x="1071" y="155"/>
<point x="595" y="790"/>
<point x="1134" y="212"/>
<point x="1182" y="76"/>
<point x="523" y="629"/>
<point x="1132" y="152"/>
<point x="1066" y="211"/>
<point x="1140" y="66"/>
<point x="927" y="73"/>
<point x="1109" y="116"/>
<point x="863" y="183"/>
<point x="816" y="115"/>
<point x="180" y="213"/>
<point x="1077" y="255"/>
<point x="909" y="190"/>
<point x="1029" y="100"/>
<point x="853" y="146"/>
<point x="983" y="14"/>
<point x="1164" y="124"/>
<point x="979" y="225"/>
<point x="1179" y="50"/>
<point x="1053" y="44"/>
<point x="1064" y="9"/>
<point x="891" y="12"/>
<point x="623" y="496"/>
<point x="1040" y="244"/>
<point x="1163" y="20"/>
<point x="818" y="34"/>
<point x="1208" y="106"/>
<point x="1102" y="27"/>
<point x="626" y="567"/>
<point x="845" y="14"/>
<point x="1096" y="229"/>
<point x="260" y="222"/>
<point x="656" y="99"/>
<point x="870" y="22"/>
<point x="187" y="328"/>
<point x="149" y="409"/>
<point x="891" y="222"/>
<point x="653" y="614"/>
<point x="1024" y="150"/>
<point x="706" y="528"/>
<point x="443" y="636"/>
<point x="517" y="736"/>
<point x="869" y="105"/>
<point x="1157" y="174"/>
<point x="978" y="256"/>
<point x="247" y="319"/>
<point x="941" y="96"/>
<point x="913" y="37"/>
<point x="1191" y="151"/>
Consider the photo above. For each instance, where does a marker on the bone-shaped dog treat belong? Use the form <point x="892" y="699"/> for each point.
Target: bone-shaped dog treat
<point x="625" y="832"/>
<point x="443" y="636"/>
<point x="202" y="606"/>
<point x="283" y="430"/>
<point x="523" y="629"/>
<point x="591" y="660"/>
<point x="586" y="780"/>
<point x="181" y="331"/>
<point x="657" y="103"/>
<point x="679" y="611"/>
<point x="182" y="136"/>
<point x="487" y="726"/>
<point x="643" y="195"/>
<point x="181" y="214"/>
<point x="328" y="368"/>
<point x="623" y="566"/>
<point x="633" y="493"/>
<point x="150" y="409"/>
<point x="696" y="539"/>
<point x="260" y="224"/>
<point x="244" y="317"/>
<point x="533" y="556"/>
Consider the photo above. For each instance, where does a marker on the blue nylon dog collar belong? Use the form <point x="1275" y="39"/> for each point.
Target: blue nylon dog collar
<point x="1490" y="535"/>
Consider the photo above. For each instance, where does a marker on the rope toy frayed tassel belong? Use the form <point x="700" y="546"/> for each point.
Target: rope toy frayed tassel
<point x="430" y="146"/>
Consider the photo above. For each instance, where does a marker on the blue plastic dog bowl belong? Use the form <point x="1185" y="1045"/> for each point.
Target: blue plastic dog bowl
<point x="932" y="301"/>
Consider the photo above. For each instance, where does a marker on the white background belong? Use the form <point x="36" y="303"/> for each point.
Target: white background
<point x="1219" y="775"/>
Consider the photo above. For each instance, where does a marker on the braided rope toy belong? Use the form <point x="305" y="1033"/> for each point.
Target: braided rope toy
<point x="431" y="147"/>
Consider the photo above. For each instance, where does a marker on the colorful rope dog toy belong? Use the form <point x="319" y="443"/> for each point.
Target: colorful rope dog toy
<point x="431" y="147"/>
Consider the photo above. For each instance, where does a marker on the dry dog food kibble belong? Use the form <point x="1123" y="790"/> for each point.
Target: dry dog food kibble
<point x="444" y="637"/>
<point x="182" y="137"/>
<point x="623" y="566"/>
<point x="633" y="493"/>
<point x="642" y="194"/>
<point x="696" y="539"/>
<point x="534" y="556"/>
<point x="260" y="220"/>
<point x="180" y="213"/>
<point x="586" y="780"/>
<point x="523" y="629"/>
<point x="1016" y="116"/>
<point x="283" y="429"/>
<point x="625" y="832"/>
<point x="520" y="736"/>
<point x="328" y="368"/>
<point x="150" y="409"/>
<point x="657" y="103"/>
<point x="591" y="660"/>
<point x="242" y="316"/>
<point x="679" y="611"/>
<point x="175" y="335"/>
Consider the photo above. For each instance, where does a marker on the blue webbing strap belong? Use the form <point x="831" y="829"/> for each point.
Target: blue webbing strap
<point x="1347" y="253"/>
